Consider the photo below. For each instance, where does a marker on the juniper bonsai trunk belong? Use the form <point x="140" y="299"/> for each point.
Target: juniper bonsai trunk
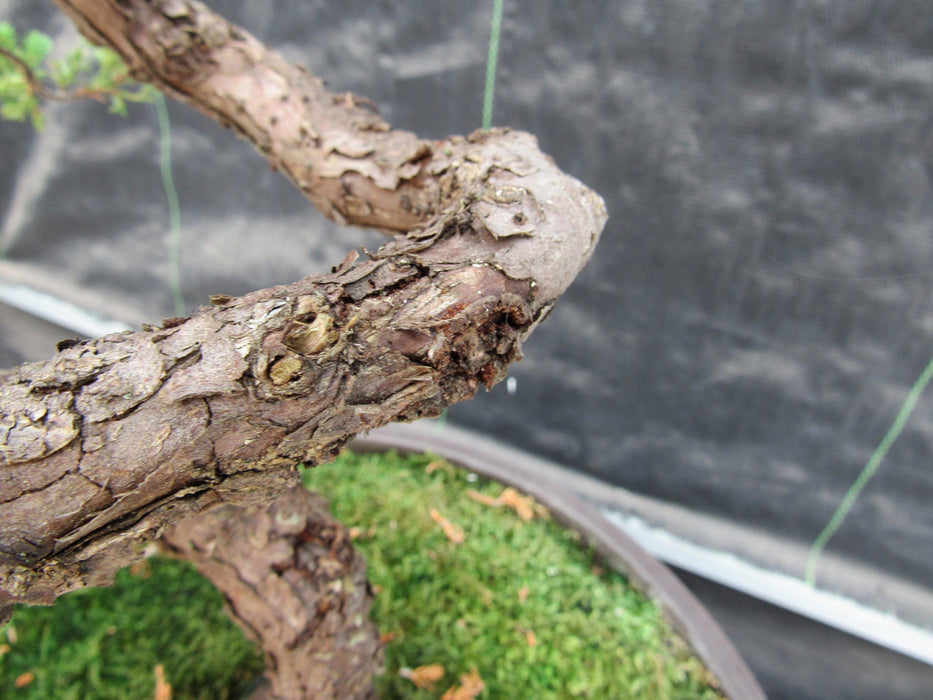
<point x="112" y="440"/>
<point x="296" y="586"/>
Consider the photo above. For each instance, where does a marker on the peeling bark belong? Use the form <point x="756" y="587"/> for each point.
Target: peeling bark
<point x="295" y="585"/>
<point x="109" y="442"/>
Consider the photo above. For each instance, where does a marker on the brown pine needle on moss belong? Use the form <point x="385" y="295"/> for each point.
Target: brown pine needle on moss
<point x="471" y="685"/>
<point x="163" y="689"/>
<point x="425" y="676"/>
<point x="454" y="532"/>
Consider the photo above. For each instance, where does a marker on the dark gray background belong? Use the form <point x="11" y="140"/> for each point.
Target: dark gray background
<point x="759" y="304"/>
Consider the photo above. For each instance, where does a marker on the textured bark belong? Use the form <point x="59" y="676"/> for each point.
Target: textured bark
<point x="113" y="439"/>
<point x="296" y="586"/>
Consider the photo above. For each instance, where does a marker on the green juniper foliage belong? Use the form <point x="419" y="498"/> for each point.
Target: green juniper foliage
<point x="28" y="75"/>
<point x="18" y="101"/>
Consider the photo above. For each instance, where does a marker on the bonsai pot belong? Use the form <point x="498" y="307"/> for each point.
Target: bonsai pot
<point x="484" y="457"/>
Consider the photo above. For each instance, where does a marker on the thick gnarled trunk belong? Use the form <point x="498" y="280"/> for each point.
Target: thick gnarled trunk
<point x="112" y="440"/>
<point x="295" y="585"/>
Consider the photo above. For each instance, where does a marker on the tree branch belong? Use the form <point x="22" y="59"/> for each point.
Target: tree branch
<point x="111" y="440"/>
<point x="336" y="149"/>
<point x="296" y="586"/>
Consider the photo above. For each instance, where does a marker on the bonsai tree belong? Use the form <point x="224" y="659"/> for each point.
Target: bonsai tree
<point x="190" y="432"/>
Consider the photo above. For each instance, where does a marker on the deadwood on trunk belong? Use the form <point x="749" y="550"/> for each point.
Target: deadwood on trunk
<point x="110" y="441"/>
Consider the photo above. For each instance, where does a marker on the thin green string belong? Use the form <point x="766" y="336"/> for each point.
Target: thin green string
<point x="491" y="61"/>
<point x="868" y="472"/>
<point x="174" y="210"/>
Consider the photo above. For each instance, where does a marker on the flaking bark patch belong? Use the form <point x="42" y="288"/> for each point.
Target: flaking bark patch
<point x="297" y="588"/>
<point x="112" y="440"/>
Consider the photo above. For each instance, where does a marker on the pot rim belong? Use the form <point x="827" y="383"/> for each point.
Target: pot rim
<point x="489" y="459"/>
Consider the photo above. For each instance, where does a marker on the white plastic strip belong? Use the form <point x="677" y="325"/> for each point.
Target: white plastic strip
<point x="58" y="311"/>
<point x="779" y="589"/>
<point x="726" y="569"/>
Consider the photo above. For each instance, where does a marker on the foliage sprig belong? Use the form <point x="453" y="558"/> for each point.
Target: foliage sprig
<point x="29" y="76"/>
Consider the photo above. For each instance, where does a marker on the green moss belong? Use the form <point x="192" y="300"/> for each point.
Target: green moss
<point x="479" y="604"/>
<point x="475" y="604"/>
<point x="106" y="642"/>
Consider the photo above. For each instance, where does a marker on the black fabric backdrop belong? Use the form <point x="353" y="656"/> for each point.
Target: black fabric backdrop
<point x="758" y="307"/>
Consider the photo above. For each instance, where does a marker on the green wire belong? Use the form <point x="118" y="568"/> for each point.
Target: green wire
<point x="174" y="211"/>
<point x="491" y="61"/>
<point x="867" y="473"/>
